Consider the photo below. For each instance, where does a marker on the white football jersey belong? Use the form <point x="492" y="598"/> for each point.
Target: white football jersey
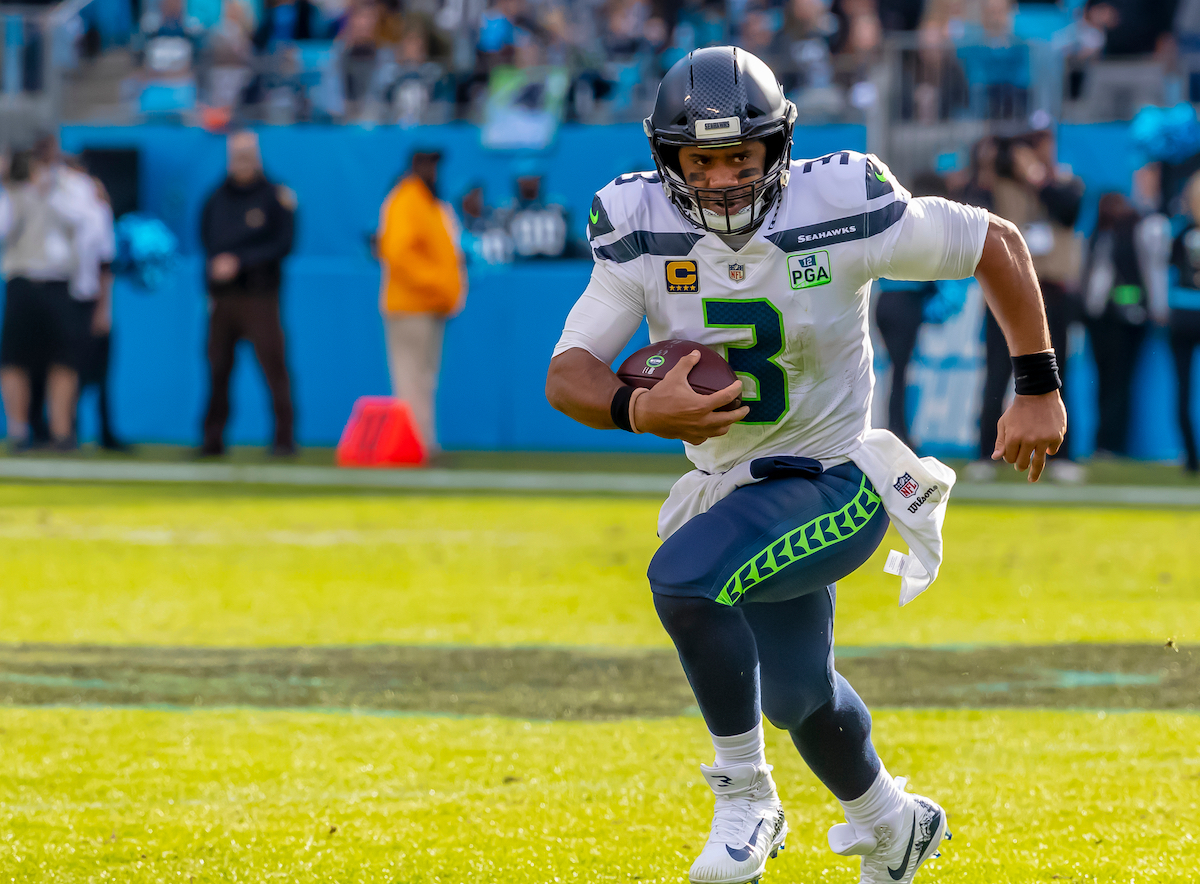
<point x="789" y="310"/>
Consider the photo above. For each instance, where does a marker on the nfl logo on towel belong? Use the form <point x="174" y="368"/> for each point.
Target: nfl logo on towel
<point x="907" y="485"/>
<point x="737" y="272"/>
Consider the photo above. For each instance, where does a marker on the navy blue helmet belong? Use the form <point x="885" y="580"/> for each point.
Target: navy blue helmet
<point x="719" y="97"/>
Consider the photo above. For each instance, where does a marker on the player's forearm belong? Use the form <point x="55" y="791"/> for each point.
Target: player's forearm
<point x="582" y="387"/>
<point x="1005" y="272"/>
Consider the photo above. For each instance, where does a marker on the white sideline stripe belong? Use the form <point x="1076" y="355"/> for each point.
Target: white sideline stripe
<point x="331" y="477"/>
<point x="1096" y="495"/>
<point x="637" y="484"/>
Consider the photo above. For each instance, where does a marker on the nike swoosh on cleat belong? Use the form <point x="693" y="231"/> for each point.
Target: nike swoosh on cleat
<point x="595" y="216"/>
<point x="742" y="854"/>
<point x="933" y="827"/>
<point x="879" y="177"/>
<point x="897" y="874"/>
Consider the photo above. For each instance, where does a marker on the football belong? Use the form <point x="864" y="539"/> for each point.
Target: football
<point x="649" y="365"/>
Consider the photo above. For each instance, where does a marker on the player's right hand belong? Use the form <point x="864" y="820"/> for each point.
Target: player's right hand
<point x="673" y="410"/>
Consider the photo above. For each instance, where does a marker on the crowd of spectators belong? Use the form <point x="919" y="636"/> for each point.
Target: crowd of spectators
<point x="413" y="61"/>
<point x="1135" y="267"/>
<point x="417" y="61"/>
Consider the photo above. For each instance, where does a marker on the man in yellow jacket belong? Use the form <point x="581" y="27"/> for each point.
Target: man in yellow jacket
<point x="423" y="283"/>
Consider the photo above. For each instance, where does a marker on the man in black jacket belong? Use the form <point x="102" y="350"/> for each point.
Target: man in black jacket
<point x="247" y="229"/>
<point x="1043" y="198"/>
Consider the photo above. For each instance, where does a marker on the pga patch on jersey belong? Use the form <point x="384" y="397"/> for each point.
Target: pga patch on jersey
<point x="808" y="270"/>
<point x="682" y="276"/>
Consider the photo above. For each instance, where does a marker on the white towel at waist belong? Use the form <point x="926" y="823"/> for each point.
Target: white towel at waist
<point x="914" y="491"/>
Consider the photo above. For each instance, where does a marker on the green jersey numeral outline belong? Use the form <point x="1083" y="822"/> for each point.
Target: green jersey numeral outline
<point x="760" y="382"/>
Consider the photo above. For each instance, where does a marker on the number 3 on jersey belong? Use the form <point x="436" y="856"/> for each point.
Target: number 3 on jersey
<point x="769" y="402"/>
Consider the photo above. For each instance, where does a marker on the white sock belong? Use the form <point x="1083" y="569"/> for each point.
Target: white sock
<point x="884" y="797"/>
<point x="747" y="748"/>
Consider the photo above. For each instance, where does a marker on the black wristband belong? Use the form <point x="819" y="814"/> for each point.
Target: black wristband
<point x="619" y="409"/>
<point x="1035" y="374"/>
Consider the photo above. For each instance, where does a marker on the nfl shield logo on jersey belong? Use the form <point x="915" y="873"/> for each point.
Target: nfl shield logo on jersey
<point x="737" y="272"/>
<point x="907" y="485"/>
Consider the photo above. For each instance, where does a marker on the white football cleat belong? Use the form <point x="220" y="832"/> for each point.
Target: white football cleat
<point x="748" y="826"/>
<point x="898" y="844"/>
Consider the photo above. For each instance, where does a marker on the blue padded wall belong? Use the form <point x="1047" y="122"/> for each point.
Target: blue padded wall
<point x="493" y="375"/>
<point x="496" y="351"/>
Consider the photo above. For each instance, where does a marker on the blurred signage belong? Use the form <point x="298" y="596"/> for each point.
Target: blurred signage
<point x="524" y="107"/>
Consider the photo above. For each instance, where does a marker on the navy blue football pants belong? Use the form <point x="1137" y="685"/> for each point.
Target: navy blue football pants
<point x="746" y="592"/>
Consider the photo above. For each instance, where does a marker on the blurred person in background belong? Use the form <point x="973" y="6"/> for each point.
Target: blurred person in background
<point x="247" y="228"/>
<point x="762" y="35"/>
<point x="229" y="52"/>
<point x="538" y="228"/>
<point x="807" y="64"/>
<point x="976" y="184"/>
<point x="170" y="39"/>
<point x="700" y="23"/>
<point x="500" y="25"/>
<point x="995" y="64"/>
<point x="474" y="210"/>
<point x="625" y="26"/>
<point x="91" y="295"/>
<point x="413" y="76"/>
<point x="1184" y="323"/>
<point x="899" y="313"/>
<point x="483" y="241"/>
<point x="938" y="84"/>
<point x="286" y="21"/>
<point x="423" y="283"/>
<point x="45" y="209"/>
<point x="1042" y="198"/>
<point x="91" y="287"/>
<point x="900" y="15"/>
<point x="359" y="44"/>
<point x="1121" y="293"/>
<point x="1132" y="27"/>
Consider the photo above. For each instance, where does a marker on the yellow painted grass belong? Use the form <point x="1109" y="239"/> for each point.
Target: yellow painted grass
<point x="196" y="566"/>
<point x="218" y="796"/>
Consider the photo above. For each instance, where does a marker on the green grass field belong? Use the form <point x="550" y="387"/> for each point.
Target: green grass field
<point x="199" y="566"/>
<point x="146" y="794"/>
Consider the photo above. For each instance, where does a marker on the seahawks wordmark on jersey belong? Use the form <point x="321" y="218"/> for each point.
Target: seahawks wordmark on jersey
<point x="789" y="310"/>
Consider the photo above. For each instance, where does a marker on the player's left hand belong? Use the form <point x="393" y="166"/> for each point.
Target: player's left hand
<point x="1032" y="428"/>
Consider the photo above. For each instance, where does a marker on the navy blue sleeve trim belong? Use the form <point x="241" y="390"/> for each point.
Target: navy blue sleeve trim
<point x="643" y="242"/>
<point x="877" y="183"/>
<point x="854" y="227"/>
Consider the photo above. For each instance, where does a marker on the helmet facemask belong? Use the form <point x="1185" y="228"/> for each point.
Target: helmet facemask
<point x="710" y="208"/>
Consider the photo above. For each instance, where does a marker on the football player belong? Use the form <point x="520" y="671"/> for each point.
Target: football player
<point x="733" y="244"/>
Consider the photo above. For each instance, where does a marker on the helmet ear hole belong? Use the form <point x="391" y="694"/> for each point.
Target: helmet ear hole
<point x="774" y="144"/>
<point x="670" y="158"/>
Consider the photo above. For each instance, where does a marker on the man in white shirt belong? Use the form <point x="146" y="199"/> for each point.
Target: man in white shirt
<point x="45" y="208"/>
<point x="91" y="289"/>
<point x="732" y="244"/>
